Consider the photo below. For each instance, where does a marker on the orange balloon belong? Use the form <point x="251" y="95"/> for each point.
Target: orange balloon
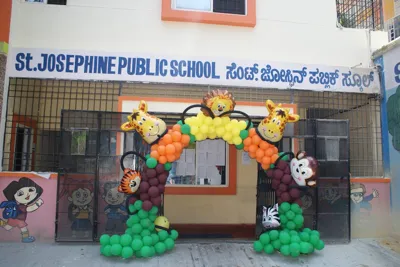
<point x="264" y="145"/>
<point x="162" y="159"/>
<point x="253" y="148"/>
<point x="269" y="152"/>
<point x="167" y="139"/>
<point x="259" y="159"/>
<point x="170" y="149"/>
<point x="247" y="141"/>
<point x="171" y="157"/>
<point x="154" y="147"/>
<point x="161" y="150"/>
<point x="161" y="142"/>
<point x="169" y="131"/>
<point x="274" y="157"/>
<point x="256" y="139"/>
<point x="252" y="132"/>
<point x="154" y="154"/>
<point x="275" y="149"/>
<point x="176" y="127"/>
<point x="178" y="154"/>
<point x="185" y="140"/>
<point x="265" y="166"/>
<point x="178" y="147"/>
<point x="176" y="136"/>
<point x="260" y="153"/>
<point x="246" y="148"/>
<point x="266" y="160"/>
<point x="252" y="155"/>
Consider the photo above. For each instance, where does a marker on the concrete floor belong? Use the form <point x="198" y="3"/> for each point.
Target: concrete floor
<point x="360" y="253"/>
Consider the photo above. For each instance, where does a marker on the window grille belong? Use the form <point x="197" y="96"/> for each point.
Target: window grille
<point x="362" y="14"/>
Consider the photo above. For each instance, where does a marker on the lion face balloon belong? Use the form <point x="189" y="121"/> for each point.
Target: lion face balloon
<point x="219" y="101"/>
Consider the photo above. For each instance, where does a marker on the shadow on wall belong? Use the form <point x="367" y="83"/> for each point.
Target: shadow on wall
<point x="370" y="209"/>
<point x="28" y="208"/>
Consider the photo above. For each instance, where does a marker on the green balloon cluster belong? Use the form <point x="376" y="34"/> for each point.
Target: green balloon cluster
<point x="290" y="241"/>
<point x="141" y="238"/>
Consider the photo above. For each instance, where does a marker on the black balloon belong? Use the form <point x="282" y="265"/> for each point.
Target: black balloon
<point x="144" y="187"/>
<point x="151" y="173"/>
<point x="160" y="168"/>
<point x="154" y="181"/>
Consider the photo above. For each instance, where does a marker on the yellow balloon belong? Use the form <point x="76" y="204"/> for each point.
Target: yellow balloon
<point x="200" y="137"/>
<point x="242" y="125"/>
<point x="204" y="129"/>
<point x="212" y="135"/>
<point x="237" y="140"/>
<point x="234" y="121"/>
<point x="200" y="115"/>
<point x="225" y="120"/>
<point x="195" y="122"/>
<point x="217" y="121"/>
<point x="208" y="121"/>
<point x="220" y="131"/>
<point x="188" y="120"/>
<point x="230" y="142"/>
<point x="194" y="129"/>
<point x="235" y="131"/>
<point x="211" y="129"/>
<point x="227" y="136"/>
<point x="228" y="127"/>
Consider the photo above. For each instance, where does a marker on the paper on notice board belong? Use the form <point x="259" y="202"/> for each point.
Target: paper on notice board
<point x="211" y="159"/>
<point x="182" y="158"/>
<point x="190" y="169"/>
<point x="180" y="169"/>
<point x="245" y="158"/>
<point x="201" y="172"/>
<point x="190" y="156"/>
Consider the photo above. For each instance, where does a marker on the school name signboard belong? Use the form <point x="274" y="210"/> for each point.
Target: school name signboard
<point x="58" y="64"/>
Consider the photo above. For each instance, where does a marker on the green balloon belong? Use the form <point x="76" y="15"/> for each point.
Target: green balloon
<point x="153" y="211"/>
<point x="284" y="250"/>
<point x="290" y="215"/>
<point x="295" y="239"/>
<point x="115" y="239"/>
<point x="128" y="231"/>
<point x="283" y="218"/>
<point x="284" y="207"/>
<point x="152" y="217"/>
<point x="137" y="237"/>
<point x="295" y="254"/>
<point x="116" y="249"/>
<point x="147" y="241"/>
<point x="271" y="166"/>
<point x="127" y="252"/>
<point x="239" y="147"/>
<point x="152" y="251"/>
<point x="295" y="208"/>
<point x="180" y="123"/>
<point x="154" y="238"/>
<point x="276" y="244"/>
<point x="290" y="225"/>
<point x="305" y="237"/>
<point x="251" y="124"/>
<point x="151" y="227"/>
<point x="244" y="134"/>
<point x="284" y="238"/>
<point x="145" y="251"/>
<point x="298" y="220"/>
<point x="138" y="204"/>
<point x="169" y="243"/>
<point x="315" y="232"/>
<point x="126" y="240"/>
<point x="320" y="245"/>
<point x="147" y="156"/>
<point x="132" y="208"/>
<point x="294" y="233"/>
<point x="294" y="247"/>
<point x="107" y="250"/>
<point x="269" y="249"/>
<point x="174" y="234"/>
<point x="185" y="129"/>
<point x="264" y="239"/>
<point x="258" y="247"/>
<point x="286" y="231"/>
<point x="137" y="244"/>
<point x="273" y="235"/>
<point x="151" y="163"/>
<point x="145" y="222"/>
<point x="138" y="254"/>
<point x="137" y="228"/>
<point x="143" y="214"/>
<point x="304" y="248"/>
<point x="314" y="240"/>
<point x="163" y="235"/>
<point x="145" y="232"/>
<point x="104" y="240"/>
<point x="310" y="248"/>
<point x="192" y="138"/>
<point x="307" y="230"/>
<point x="160" y="248"/>
<point x="135" y="218"/>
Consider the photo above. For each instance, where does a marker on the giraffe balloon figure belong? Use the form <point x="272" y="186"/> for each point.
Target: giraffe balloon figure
<point x="150" y="128"/>
<point x="272" y="127"/>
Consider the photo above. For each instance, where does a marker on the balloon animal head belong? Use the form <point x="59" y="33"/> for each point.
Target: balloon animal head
<point x="304" y="169"/>
<point x="130" y="182"/>
<point x="219" y="101"/>
<point x="273" y="126"/>
<point x="270" y="218"/>
<point x="148" y="126"/>
<point x="161" y="223"/>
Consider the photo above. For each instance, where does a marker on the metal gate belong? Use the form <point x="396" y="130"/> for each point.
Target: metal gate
<point x="326" y="207"/>
<point x="88" y="203"/>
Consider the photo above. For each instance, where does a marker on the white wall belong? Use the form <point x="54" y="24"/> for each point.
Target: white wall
<point x="287" y="31"/>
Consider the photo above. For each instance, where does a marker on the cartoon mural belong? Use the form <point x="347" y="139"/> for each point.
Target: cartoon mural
<point x="359" y="200"/>
<point x="115" y="208"/>
<point x="80" y="212"/>
<point x="23" y="197"/>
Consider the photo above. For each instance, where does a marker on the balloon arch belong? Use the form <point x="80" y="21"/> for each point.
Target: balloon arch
<point x="148" y="234"/>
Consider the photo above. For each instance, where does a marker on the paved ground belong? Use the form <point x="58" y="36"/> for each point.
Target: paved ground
<point x="360" y="253"/>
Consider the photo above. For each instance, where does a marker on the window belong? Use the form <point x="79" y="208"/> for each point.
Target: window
<point x="218" y="6"/>
<point x="50" y="2"/>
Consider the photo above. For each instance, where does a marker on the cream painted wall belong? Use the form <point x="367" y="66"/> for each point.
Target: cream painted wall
<point x="208" y="209"/>
<point x="287" y="31"/>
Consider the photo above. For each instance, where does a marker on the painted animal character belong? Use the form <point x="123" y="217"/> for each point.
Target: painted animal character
<point x="219" y="101"/>
<point x="270" y="217"/>
<point x="80" y="211"/>
<point x="304" y="169"/>
<point x="130" y="182"/>
<point x="273" y="126"/>
<point x="150" y="128"/>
